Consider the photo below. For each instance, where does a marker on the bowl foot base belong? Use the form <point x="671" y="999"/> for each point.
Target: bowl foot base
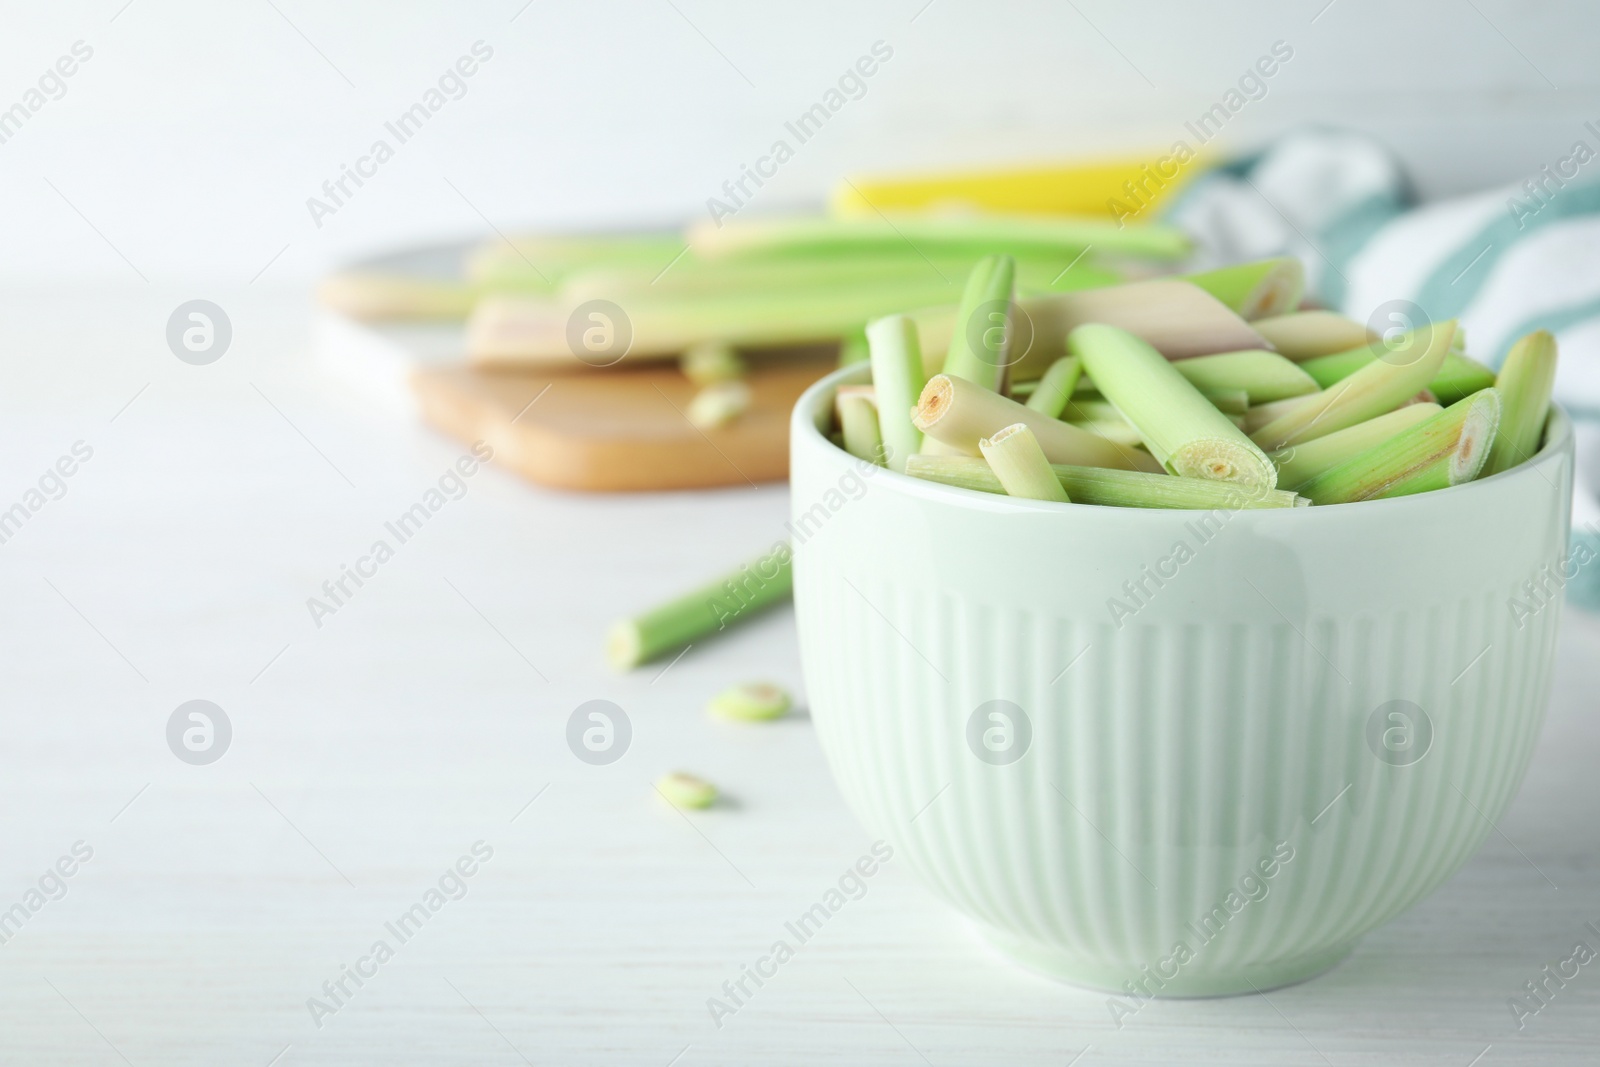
<point x="1192" y="979"/>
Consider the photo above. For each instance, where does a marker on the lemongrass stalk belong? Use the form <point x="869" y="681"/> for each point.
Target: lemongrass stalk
<point x="1017" y="460"/>
<point x="1091" y="409"/>
<point x="1118" y="430"/>
<point x="750" y="702"/>
<point x="1447" y="449"/>
<point x="1108" y="488"/>
<point x="1050" y="395"/>
<point x="545" y="259"/>
<point x="1256" y="290"/>
<point x="1525" y="381"/>
<point x="1303" y="335"/>
<point x="1261" y="415"/>
<point x="1460" y="376"/>
<point x="982" y="337"/>
<point x="1380" y="386"/>
<point x="1298" y="464"/>
<point x="700" y="613"/>
<point x="710" y="362"/>
<point x="1231" y="402"/>
<point x="718" y="404"/>
<point x="1264" y="376"/>
<point x="683" y="790"/>
<point x="1181" y="320"/>
<point x="960" y="414"/>
<point x="986" y="233"/>
<point x="897" y="378"/>
<point x="1182" y="429"/>
<point x="858" y="420"/>
<point x="373" y="297"/>
<point x="854" y="349"/>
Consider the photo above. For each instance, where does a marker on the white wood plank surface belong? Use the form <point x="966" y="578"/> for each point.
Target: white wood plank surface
<point x="369" y="754"/>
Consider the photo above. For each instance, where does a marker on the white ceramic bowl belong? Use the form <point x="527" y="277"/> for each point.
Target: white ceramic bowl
<point x="1297" y="723"/>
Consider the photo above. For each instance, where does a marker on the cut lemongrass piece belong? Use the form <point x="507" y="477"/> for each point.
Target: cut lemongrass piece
<point x="1179" y="319"/>
<point x="1298" y="464"/>
<point x="1182" y="429"/>
<point x="1256" y="290"/>
<point x="751" y="702"/>
<point x="718" y="404"/>
<point x="1380" y="386"/>
<point x="960" y="414"/>
<point x="702" y="612"/>
<point x="982" y="336"/>
<point x="1447" y="449"/>
<point x="1525" y="381"/>
<point x="858" y="421"/>
<point x="853" y="349"/>
<point x="1118" y="430"/>
<point x="1017" y="460"/>
<point x="1460" y="376"/>
<point x="1231" y="402"/>
<point x="686" y="791"/>
<point x="1304" y="335"/>
<point x="1050" y="395"/>
<point x="897" y="377"/>
<point x="1106" y="487"/>
<point x="1091" y="409"/>
<point x="710" y="362"/>
<point x="1264" y="376"/>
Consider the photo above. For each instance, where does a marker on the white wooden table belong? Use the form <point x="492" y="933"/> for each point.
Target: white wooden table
<point x="429" y="713"/>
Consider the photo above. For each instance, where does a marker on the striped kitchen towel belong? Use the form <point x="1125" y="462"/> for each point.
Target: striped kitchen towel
<point x="1504" y="262"/>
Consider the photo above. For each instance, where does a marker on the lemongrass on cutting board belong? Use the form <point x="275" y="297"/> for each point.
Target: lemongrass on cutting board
<point x="1447" y="449"/>
<point x="711" y="361"/>
<point x="1303" y="335"/>
<point x="1181" y="320"/>
<point x="1264" y="376"/>
<point x="718" y="404"/>
<point x="373" y="297"/>
<point x="702" y="612"/>
<point x="1050" y="394"/>
<point x="858" y="420"/>
<point x="1106" y="487"/>
<point x="1264" y="288"/>
<point x="1524" y="384"/>
<point x="1298" y="464"/>
<point x="1182" y="429"/>
<point x="896" y="355"/>
<point x="1017" y="460"/>
<point x="960" y="414"/>
<point x="979" y="345"/>
<point x="1380" y="386"/>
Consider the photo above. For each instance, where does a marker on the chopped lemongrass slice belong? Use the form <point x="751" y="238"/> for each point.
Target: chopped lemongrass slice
<point x="1256" y="290"/>
<point x="853" y="349"/>
<point x="1447" y="449"/>
<point x="1525" y="381"/>
<point x="1017" y="460"/>
<point x="982" y="336"/>
<point x="1050" y="395"/>
<point x="751" y="702"/>
<point x="1106" y="487"/>
<point x="718" y="404"/>
<point x="1119" y="430"/>
<point x="702" y="612"/>
<point x="858" y="420"/>
<point x="1182" y="429"/>
<point x="1380" y="386"/>
<point x="960" y="414"/>
<point x="1304" y="335"/>
<point x="686" y="791"/>
<point x="1264" y="376"/>
<point x="710" y="362"/>
<point x="1298" y="464"/>
<point x="1231" y="402"/>
<point x="896" y="357"/>
<point x="1460" y="376"/>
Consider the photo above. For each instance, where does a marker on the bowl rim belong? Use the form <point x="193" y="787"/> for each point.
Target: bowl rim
<point x="804" y="433"/>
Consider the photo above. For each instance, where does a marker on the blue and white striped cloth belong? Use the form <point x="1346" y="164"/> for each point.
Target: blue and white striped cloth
<point x="1504" y="262"/>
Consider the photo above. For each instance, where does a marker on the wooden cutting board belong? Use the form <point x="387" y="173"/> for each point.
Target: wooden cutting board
<point x="623" y="428"/>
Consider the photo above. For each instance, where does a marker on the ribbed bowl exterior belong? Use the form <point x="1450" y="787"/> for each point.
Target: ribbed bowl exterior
<point x="1218" y="765"/>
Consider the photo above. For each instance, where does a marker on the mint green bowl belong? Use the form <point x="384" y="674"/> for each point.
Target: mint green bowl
<point x="1296" y="724"/>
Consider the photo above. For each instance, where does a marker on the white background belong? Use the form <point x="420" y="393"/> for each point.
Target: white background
<point x="194" y="136"/>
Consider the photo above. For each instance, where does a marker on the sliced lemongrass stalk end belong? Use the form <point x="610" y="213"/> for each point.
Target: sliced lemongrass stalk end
<point x="1447" y="449"/>
<point x="1525" y="382"/>
<point x="709" y="362"/>
<point x="751" y="702"/>
<point x="718" y="404"/>
<point x="1017" y="460"/>
<point x="683" y="790"/>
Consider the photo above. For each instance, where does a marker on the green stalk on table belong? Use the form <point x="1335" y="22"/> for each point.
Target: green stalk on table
<point x="1182" y="429"/>
<point x="1447" y="449"/>
<point x="705" y="611"/>
<point x="1107" y="487"/>
<point x="1525" y="382"/>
